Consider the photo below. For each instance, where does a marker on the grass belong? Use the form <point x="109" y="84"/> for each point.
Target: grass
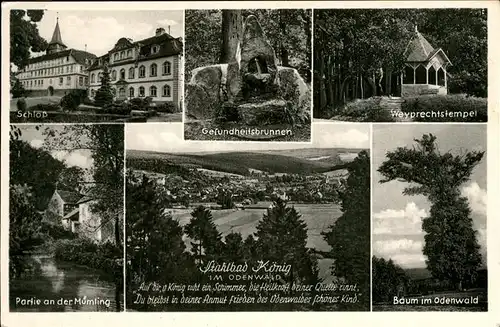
<point x="34" y="101"/>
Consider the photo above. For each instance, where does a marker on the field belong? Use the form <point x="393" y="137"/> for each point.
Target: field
<point x="240" y="162"/>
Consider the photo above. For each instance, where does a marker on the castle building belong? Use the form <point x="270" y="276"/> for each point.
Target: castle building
<point x="147" y="68"/>
<point x="58" y="71"/>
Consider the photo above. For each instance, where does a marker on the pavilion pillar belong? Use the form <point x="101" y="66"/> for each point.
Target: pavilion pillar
<point x="414" y="76"/>
<point x="445" y="79"/>
<point x="426" y="75"/>
<point x="437" y="81"/>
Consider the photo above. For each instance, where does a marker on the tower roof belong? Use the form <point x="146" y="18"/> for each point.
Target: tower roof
<point x="418" y="49"/>
<point x="56" y="36"/>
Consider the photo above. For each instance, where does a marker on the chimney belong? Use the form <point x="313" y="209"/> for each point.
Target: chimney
<point x="160" y="31"/>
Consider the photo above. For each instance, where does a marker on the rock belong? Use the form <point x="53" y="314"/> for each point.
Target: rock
<point x="293" y="88"/>
<point x="203" y="92"/>
<point x="263" y="113"/>
<point x="233" y="82"/>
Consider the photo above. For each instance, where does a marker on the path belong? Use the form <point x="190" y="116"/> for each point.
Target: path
<point x="393" y="106"/>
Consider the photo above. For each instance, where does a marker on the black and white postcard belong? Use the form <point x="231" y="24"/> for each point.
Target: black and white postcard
<point x="429" y="218"/>
<point x="66" y="218"/>
<point x="248" y="75"/>
<point x="96" y="66"/>
<point x="401" y="65"/>
<point x="248" y="227"/>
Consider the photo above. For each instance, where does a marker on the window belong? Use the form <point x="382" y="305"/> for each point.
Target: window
<point x="142" y="71"/>
<point x="86" y="80"/>
<point x="50" y="81"/>
<point x="155" y="49"/>
<point x="152" y="91"/>
<point x="141" y="91"/>
<point x="68" y="80"/>
<point x="129" y="53"/>
<point x="122" y="54"/>
<point x="61" y="81"/>
<point x="81" y="69"/>
<point x="131" y="92"/>
<point x="113" y="75"/>
<point x="117" y="56"/>
<point x="131" y="73"/>
<point x="167" y="68"/>
<point x="80" y="80"/>
<point x="166" y="91"/>
<point x="67" y="69"/>
<point x="92" y="78"/>
<point x="122" y="73"/>
<point x="121" y="92"/>
<point x="153" y="70"/>
<point x="67" y="59"/>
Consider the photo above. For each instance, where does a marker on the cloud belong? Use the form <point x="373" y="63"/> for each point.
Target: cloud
<point x="407" y="221"/>
<point x="477" y="198"/>
<point x="100" y="33"/>
<point x="416" y="260"/>
<point x="352" y="138"/>
<point x="395" y="246"/>
<point x="74" y="158"/>
<point x="36" y="143"/>
<point x="167" y="22"/>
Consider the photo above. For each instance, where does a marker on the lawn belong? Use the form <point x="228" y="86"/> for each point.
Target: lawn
<point x="34" y="101"/>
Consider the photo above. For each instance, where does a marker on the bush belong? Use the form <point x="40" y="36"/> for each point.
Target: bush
<point x="455" y="103"/>
<point x="45" y="107"/>
<point x="21" y="104"/>
<point x="117" y="109"/>
<point x="56" y="231"/>
<point x="107" y="257"/>
<point x="168" y="107"/>
<point x="87" y="101"/>
<point x="73" y="99"/>
<point x="18" y="90"/>
<point x="367" y="110"/>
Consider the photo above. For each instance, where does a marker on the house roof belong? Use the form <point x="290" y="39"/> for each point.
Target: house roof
<point x="69" y="197"/>
<point x="79" y="56"/>
<point x="169" y="46"/>
<point x="418" y="49"/>
<point x="56" y="36"/>
<point x="73" y="215"/>
<point x="86" y="198"/>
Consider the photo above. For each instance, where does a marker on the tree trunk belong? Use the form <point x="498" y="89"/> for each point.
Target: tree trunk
<point x="307" y="30"/>
<point x="232" y="30"/>
<point x="283" y="50"/>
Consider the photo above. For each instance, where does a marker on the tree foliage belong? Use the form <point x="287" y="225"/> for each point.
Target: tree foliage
<point x="207" y="241"/>
<point x="451" y="245"/>
<point x="24" y="36"/>
<point x="388" y="280"/>
<point x="349" y="236"/>
<point x="104" y="95"/>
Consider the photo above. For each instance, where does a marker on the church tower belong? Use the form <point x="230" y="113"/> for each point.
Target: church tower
<point x="56" y="44"/>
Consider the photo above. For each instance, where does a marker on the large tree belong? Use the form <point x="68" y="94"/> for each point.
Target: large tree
<point x="349" y="236"/>
<point x="24" y="36"/>
<point x="451" y="245"/>
<point x="206" y="240"/>
<point x="232" y="31"/>
<point x="104" y="95"/>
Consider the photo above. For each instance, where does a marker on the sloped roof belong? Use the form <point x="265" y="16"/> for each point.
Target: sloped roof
<point x="69" y="197"/>
<point x="418" y="49"/>
<point x="56" y="37"/>
<point x="73" y="215"/>
<point x="169" y="46"/>
<point x="79" y="56"/>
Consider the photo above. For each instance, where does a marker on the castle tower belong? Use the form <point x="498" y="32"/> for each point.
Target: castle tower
<point x="56" y="44"/>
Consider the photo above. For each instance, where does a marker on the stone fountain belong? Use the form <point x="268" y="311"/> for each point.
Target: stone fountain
<point x="252" y="89"/>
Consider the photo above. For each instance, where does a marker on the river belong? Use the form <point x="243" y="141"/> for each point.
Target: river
<point x="53" y="286"/>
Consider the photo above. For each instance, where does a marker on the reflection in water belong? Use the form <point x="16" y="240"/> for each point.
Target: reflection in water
<point x="63" y="286"/>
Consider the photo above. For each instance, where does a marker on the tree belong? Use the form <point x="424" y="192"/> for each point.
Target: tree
<point x="24" y="227"/>
<point x="207" y="241"/>
<point x="282" y="237"/>
<point x="450" y="246"/>
<point x="388" y="280"/>
<point x="232" y="31"/>
<point x="18" y="89"/>
<point x="155" y="246"/>
<point x="24" y="36"/>
<point x="104" y="95"/>
<point x="349" y="236"/>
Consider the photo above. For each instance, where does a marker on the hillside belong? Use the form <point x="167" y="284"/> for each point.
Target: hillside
<point x="240" y="162"/>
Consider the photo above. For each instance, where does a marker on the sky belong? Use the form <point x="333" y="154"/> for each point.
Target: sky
<point x="397" y="218"/>
<point x="78" y="158"/>
<point x="100" y="29"/>
<point x="169" y="138"/>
